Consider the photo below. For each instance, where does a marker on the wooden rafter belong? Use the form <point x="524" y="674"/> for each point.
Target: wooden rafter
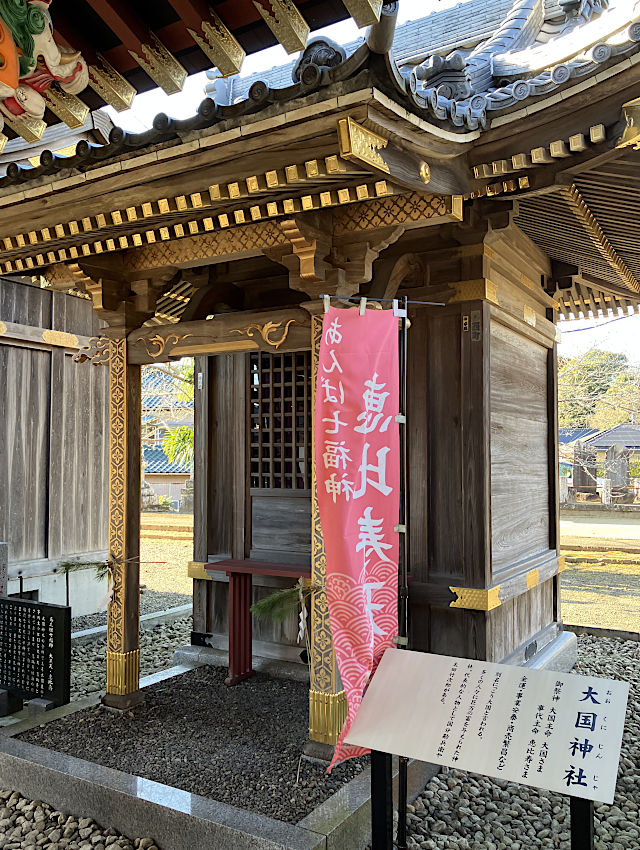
<point x="146" y="48"/>
<point x="211" y="34"/>
<point x="600" y="241"/>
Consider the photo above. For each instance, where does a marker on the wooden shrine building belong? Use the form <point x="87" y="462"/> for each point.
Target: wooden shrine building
<point x="492" y="169"/>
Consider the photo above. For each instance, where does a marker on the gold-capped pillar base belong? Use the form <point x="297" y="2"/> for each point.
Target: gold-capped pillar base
<point x="327" y="714"/>
<point x="123" y="672"/>
<point x="112" y="87"/>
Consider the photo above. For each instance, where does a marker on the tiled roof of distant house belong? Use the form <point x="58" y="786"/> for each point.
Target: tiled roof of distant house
<point x="627" y="435"/>
<point x="156" y="461"/>
<point x="570" y="435"/>
<point x="161" y="391"/>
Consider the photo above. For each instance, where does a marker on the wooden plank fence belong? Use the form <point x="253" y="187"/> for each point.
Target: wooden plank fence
<point x="53" y="426"/>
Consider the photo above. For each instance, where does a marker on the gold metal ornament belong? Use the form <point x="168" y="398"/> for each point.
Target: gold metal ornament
<point x="285" y="22"/>
<point x="266" y="332"/>
<point x="364" y="12"/>
<point x="361" y="145"/>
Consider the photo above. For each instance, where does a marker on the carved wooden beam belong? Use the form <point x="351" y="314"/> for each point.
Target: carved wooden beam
<point x="631" y="134"/>
<point x="125" y="299"/>
<point x="378" y="153"/>
<point x="275" y="332"/>
<point x="390" y="274"/>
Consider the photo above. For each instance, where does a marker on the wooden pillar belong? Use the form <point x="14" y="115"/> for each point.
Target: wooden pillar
<point x="123" y="645"/>
<point x="327" y="700"/>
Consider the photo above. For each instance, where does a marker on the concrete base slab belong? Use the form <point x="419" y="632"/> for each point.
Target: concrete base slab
<point x="138" y="807"/>
<point x="190" y="655"/>
<point x="38" y="706"/>
<point x="147" y="621"/>
<point x="561" y="655"/>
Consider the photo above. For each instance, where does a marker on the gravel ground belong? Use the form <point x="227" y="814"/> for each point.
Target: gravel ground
<point x="462" y="810"/>
<point x="238" y="745"/>
<point x="150" y="602"/>
<point x="157" y="646"/>
<point x="31" y="823"/>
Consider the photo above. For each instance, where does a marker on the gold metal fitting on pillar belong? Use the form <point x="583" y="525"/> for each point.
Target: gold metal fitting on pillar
<point x="123" y="672"/>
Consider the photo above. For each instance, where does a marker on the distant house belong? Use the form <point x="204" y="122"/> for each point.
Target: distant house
<point x="567" y="436"/>
<point x="164" y="406"/>
<point x="627" y="435"/>
<point x="166" y="477"/>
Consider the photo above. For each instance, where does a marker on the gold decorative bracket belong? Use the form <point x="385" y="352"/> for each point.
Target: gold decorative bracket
<point x="97" y="351"/>
<point x="31" y="129"/>
<point x="196" y="569"/>
<point x="361" y="145"/>
<point x="218" y="43"/>
<point x="161" y="65"/>
<point x="285" y="22"/>
<point x="631" y="135"/>
<point x="364" y="12"/>
<point x="475" y="290"/>
<point x="478" y="599"/>
<point x="67" y="107"/>
<point x="112" y="87"/>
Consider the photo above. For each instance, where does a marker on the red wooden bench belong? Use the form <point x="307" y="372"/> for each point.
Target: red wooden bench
<point x="239" y="573"/>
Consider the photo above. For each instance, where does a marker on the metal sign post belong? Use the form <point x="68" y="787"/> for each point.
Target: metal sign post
<point x="582" y="831"/>
<point x="381" y="779"/>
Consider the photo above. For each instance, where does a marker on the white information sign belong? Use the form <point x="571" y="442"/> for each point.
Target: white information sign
<point x="557" y="731"/>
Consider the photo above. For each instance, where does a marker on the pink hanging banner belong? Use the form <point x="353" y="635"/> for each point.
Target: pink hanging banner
<point x="357" y="457"/>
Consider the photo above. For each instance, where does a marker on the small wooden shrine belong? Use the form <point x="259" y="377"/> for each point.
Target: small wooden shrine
<point x="494" y="173"/>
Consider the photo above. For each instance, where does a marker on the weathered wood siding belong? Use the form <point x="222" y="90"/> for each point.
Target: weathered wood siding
<point x="53" y="431"/>
<point x="519" y="437"/>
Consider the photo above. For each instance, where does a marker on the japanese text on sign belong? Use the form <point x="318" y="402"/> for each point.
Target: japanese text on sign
<point x="556" y="731"/>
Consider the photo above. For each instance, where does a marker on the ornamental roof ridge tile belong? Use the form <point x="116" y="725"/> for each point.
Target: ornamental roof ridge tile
<point x="458" y="92"/>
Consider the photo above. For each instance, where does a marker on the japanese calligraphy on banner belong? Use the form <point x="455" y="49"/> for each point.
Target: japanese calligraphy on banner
<point x="358" y="479"/>
<point x="557" y="731"/>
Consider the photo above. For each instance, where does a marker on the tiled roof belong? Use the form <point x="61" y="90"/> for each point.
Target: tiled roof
<point x="627" y="435"/>
<point x="463" y="25"/>
<point x="570" y="435"/>
<point x="161" y="391"/>
<point x="156" y="461"/>
<point x="505" y="57"/>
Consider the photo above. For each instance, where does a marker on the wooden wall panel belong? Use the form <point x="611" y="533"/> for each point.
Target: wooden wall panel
<point x="24" y="451"/>
<point x="73" y="315"/>
<point x="281" y="526"/>
<point x="53" y="434"/>
<point x="417" y="447"/>
<point x="78" y="462"/>
<point x="518" y="620"/>
<point x="25" y="304"/>
<point x="444" y="446"/>
<point x="519" y="449"/>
